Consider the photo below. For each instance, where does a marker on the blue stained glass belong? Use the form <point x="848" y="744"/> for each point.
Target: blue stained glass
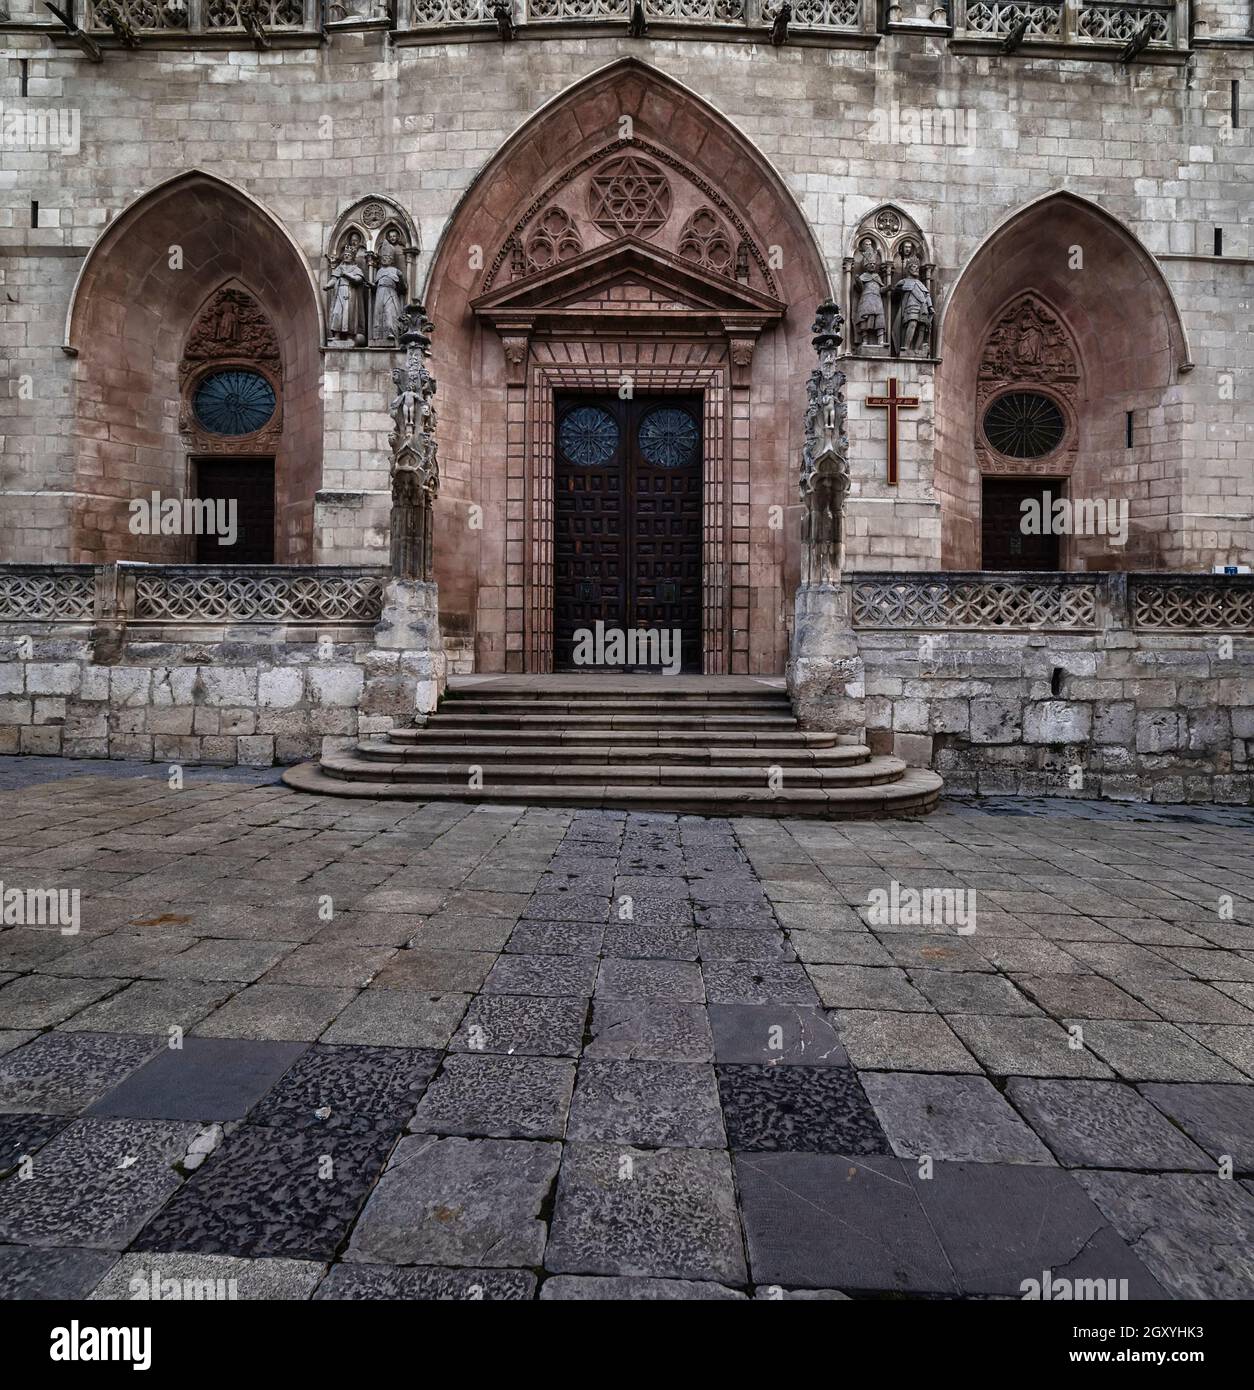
<point x="668" y="437"/>
<point x="588" y="436"/>
<point x="234" y="402"/>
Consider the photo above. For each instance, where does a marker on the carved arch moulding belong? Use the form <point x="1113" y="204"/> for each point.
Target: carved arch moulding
<point x="1029" y="367"/>
<point x="889" y="286"/>
<point x="369" y="273"/>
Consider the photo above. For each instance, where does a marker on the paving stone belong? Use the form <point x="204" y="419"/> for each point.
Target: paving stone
<point x="633" y="941"/>
<point x="464" y="934"/>
<point x="774" y="1035"/>
<point x="360" y="1087"/>
<point x="204" y="1079"/>
<point x="1208" y="965"/>
<point x="401" y="1017"/>
<point x="661" y="981"/>
<point x="173" y="1276"/>
<point x="239" y="961"/>
<point x="744" y="946"/>
<point x="1234" y="1044"/>
<point x="119" y="955"/>
<point x="556" y="938"/>
<point x="953" y="1118"/>
<point x="1120" y="960"/>
<point x="650" y="1103"/>
<point x="1102" y="1124"/>
<point x="1190" y="1001"/>
<point x="11" y="1038"/>
<point x="27" y="948"/>
<point x="900" y="1042"/>
<point x="572" y="1287"/>
<point x="866" y="987"/>
<point x="1025" y="1047"/>
<point x="1080" y="996"/>
<point x="569" y="907"/>
<point x="967" y="992"/>
<point x="59" y="1274"/>
<point x="749" y="915"/>
<point x="656" y="1213"/>
<point x="485" y="1095"/>
<point x="284" y="1013"/>
<point x="152" y="1006"/>
<point x="369" y="929"/>
<point x="436" y="971"/>
<point x="798" y="1108"/>
<point x="517" y="1023"/>
<point x="23" y="1135"/>
<point x="351" y="966"/>
<point x="542" y="974"/>
<point x="1191" y="1232"/>
<point x="818" y="1221"/>
<point x="635" y="1028"/>
<point x="838" y="948"/>
<point x="772" y="1293"/>
<point x="430" y="1283"/>
<point x="737" y="982"/>
<point x="830" y="916"/>
<point x="1027" y="957"/>
<point x="40" y="1001"/>
<point x="272" y="1191"/>
<point x="459" y="1202"/>
<point x="934" y="952"/>
<point x="60" y="1073"/>
<point x="1154" y="1051"/>
<point x="94" y="1184"/>
<point x="1218" y="1118"/>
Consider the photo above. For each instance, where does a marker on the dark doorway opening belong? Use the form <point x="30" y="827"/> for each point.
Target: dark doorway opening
<point x="1006" y="544"/>
<point x="627" y="532"/>
<point x="248" y="483"/>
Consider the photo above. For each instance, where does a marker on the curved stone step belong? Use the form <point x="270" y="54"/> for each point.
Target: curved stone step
<point x="545" y="737"/>
<point x="914" y="792"/>
<point x="749" y="776"/>
<point x="445" y="719"/>
<point x="698" y="753"/>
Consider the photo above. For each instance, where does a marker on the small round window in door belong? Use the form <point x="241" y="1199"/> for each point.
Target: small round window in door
<point x="588" y="436"/>
<point x="668" y="437"/>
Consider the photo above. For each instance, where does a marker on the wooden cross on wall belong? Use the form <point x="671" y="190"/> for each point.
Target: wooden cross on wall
<point x="893" y="403"/>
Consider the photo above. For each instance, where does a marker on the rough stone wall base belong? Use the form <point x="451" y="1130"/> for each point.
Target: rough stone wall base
<point x="825" y="669"/>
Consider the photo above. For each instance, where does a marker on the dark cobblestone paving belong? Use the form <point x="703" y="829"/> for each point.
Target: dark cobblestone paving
<point x="580" y="1054"/>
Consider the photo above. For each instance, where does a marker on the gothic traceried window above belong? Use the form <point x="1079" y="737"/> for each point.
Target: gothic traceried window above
<point x="628" y="196"/>
<point x="234" y="402"/>
<point x="705" y="242"/>
<point x="1024" y="425"/>
<point x="668" y="437"/>
<point x="588" y="436"/>
<point x="555" y="239"/>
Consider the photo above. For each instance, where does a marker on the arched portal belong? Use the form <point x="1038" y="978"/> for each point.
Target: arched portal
<point x="193" y="266"/>
<point x="1063" y="327"/>
<point x="626" y="245"/>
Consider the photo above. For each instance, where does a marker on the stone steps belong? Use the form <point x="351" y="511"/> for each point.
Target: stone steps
<point x="700" y="747"/>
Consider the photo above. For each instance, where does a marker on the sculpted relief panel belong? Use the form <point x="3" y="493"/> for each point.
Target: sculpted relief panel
<point x="370" y="271"/>
<point x="889" y="287"/>
<point x="230" y="375"/>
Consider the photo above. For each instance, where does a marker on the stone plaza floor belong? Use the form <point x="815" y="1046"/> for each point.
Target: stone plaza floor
<point x="344" y="1049"/>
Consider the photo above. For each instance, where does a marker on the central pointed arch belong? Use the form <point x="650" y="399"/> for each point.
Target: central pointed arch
<point x="713" y="292"/>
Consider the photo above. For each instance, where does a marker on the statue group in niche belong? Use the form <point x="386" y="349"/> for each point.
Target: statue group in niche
<point x="366" y="291"/>
<point x="892" y="303"/>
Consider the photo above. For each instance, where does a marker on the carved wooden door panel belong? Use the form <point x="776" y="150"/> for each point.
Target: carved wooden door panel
<point x="249" y="483"/>
<point x="627" y="520"/>
<point x="1004" y="545"/>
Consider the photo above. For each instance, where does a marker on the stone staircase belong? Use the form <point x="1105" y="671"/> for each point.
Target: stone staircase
<point x="713" y="746"/>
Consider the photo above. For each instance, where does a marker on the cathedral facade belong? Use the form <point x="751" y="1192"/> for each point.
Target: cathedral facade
<point x="619" y="219"/>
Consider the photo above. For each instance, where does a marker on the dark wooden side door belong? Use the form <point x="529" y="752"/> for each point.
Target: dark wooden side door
<point x="250" y="483"/>
<point x="1004" y="546"/>
<point x="627" y="519"/>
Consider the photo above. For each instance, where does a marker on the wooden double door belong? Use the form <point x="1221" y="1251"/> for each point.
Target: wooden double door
<point x="627" y="525"/>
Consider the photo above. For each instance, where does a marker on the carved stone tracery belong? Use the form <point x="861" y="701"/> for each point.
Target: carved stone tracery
<point x="705" y="242"/>
<point x="231" y="330"/>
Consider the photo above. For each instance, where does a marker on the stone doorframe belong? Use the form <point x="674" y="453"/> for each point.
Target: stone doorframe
<point x="692" y="332"/>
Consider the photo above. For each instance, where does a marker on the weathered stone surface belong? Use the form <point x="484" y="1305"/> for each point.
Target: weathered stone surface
<point x="798" y="1108"/>
<point x="570" y="1287"/>
<point x="363" y="1281"/>
<point x="489" y="1096"/>
<point x="955" y="1118"/>
<point x="1218" y="1118"/>
<point x="62" y="1072"/>
<point x="173" y="1277"/>
<point x="55" y="1274"/>
<point x="458" y="1202"/>
<point x="641" y="1102"/>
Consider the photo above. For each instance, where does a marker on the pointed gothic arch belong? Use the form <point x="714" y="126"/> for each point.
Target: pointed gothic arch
<point x="1092" y="276"/>
<point x="629" y="187"/>
<point x="139" y="294"/>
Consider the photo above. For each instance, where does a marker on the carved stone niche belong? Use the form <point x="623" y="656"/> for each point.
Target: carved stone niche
<point x="888" y="287"/>
<point x="1029" y="364"/>
<point x="369" y="273"/>
<point x="230" y="358"/>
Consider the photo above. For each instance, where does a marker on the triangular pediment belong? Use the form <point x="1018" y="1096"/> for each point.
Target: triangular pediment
<point x="627" y="278"/>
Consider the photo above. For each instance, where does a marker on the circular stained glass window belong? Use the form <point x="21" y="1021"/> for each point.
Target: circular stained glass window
<point x="234" y="402"/>
<point x="588" y="436"/>
<point x="1024" y="425"/>
<point x="668" y="437"/>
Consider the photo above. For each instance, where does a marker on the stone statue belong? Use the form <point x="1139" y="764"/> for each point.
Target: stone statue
<point x="389" y="289"/>
<point x="915" y="313"/>
<point x="825" y="462"/>
<point x="415" y="469"/>
<point x="869" y="283"/>
<point x="346" y="287"/>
